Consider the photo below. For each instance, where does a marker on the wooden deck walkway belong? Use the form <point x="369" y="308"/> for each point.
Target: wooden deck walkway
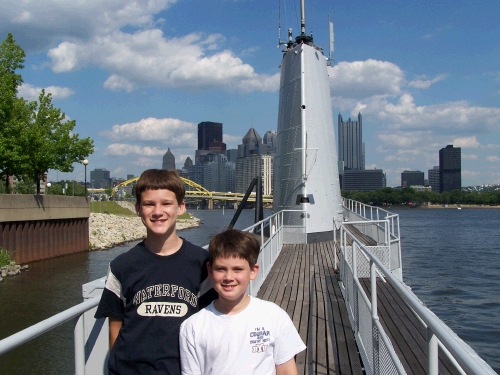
<point x="303" y="282"/>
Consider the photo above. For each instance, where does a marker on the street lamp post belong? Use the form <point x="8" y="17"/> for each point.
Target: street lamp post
<point x="85" y="162"/>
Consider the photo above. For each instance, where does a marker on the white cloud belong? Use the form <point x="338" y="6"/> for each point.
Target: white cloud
<point x="469" y="156"/>
<point x="403" y="155"/>
<point x="364" y="79"/>
<point x="424" y="83"/>
<point x="30" y="92"/>
<point x="52" y="20"/>
<point x="175" y="131"/>
<point x="232" y="141"/>
<point x="493" y="159"/>
<point x="444" y="118"/>
<point x="466" y="142"/>
<point x="146" y="162"/>
<point x="147" y="58"/>
<point x="123" y="149"/>
<point x="398" y="140"/>
<point x="94" y="33"/>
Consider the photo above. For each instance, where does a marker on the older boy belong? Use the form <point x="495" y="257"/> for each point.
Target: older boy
<point x="151" y="289"/>
<point x="238" y="334"/>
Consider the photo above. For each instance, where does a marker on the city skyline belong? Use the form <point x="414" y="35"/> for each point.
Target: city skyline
<point x="139" y="77"/>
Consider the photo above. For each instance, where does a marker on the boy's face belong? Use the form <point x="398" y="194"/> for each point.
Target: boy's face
<point x="158" y="211"/>
<point x="230" y="277"/>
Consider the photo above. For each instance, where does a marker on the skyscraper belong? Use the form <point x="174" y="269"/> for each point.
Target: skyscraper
<point x="168" y="161"/>
<point x="412" y="178"/>
<point x="365" y="180"/>
<point x="209" y="132"/>
<point x="100" y="178"/>
<point x="270" y="140"/>
<point x="251" y="144"/>
<point x="433" y="177"/>
<point x="450" y="168"/>
<point x="351" y="147"/>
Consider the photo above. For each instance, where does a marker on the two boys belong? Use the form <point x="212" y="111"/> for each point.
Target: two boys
<point x="155" y="286"/>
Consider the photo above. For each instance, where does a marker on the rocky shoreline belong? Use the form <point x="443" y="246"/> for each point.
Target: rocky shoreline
<point x="106" y="230"/>
<point x="11" y="270"/>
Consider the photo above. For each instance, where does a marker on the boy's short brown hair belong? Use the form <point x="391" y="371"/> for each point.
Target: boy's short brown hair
<point x="234" y="243"/>
<point x="156" y="179"/>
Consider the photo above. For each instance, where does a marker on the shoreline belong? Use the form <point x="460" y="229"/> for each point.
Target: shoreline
<point x="107" y="230"/>
<point x="442" y="206"/>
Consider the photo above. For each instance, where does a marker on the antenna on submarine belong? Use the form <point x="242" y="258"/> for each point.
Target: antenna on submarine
<point x="330" y="59"/>
<point x="303" y="38"/>
<point x="280" y="42"/>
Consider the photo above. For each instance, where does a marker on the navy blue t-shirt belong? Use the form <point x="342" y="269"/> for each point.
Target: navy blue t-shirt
<point x="152" y="295"/>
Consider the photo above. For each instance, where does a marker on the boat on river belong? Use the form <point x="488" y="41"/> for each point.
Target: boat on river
<point x="333" y="264"/>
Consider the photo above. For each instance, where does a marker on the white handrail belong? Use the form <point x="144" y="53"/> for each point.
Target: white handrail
<point x="462" y="353"/>
<point x="46" y="325"/>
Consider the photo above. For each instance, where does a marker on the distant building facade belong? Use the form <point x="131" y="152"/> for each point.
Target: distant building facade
<point x="168" y="161"/>
<point x="351" y="146"/>
<point x="100" y="178"/>
<point x="450" y="168"/>
<point x="247" y="168"/>
<point x="188" y="163"/>
<point x="433" y="177"/>
<point x="232" y="154"/>
<point x="209" y="132"/>
<point x="412" y="178"/>
<point x="364" y="180"/>
<point x="270" y="141"/>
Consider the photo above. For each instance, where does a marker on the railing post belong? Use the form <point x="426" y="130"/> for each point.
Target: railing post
<point x="432" y="352"/>
<point x="375" y="336"/>
<point x="355" y="288"/>
<point x="79" y="345"/>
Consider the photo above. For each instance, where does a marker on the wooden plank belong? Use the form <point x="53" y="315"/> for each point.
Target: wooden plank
<point x="347" y="353"/>
<point x="330" y="347"/>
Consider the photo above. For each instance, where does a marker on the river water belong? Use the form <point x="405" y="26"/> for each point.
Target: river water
<point x="451" y="259"/>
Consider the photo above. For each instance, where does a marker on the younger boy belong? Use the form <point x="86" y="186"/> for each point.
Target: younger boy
<point x="151" y="289"/>
<point x="237" y="333"/>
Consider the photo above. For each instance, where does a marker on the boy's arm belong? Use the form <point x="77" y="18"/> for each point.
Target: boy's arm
<point x="287" y="368"/>
<point x="189" y="359"/>
<point x="114" y="328"/>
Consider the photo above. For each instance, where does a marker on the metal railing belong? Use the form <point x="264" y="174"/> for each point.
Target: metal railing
<point x="376" y="350"/>
<point x="91" y="335"/>
<point x="380" y="225"/>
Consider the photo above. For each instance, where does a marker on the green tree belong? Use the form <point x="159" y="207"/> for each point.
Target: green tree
<point x="50" y="141"/>
<point x="25" y="186"/>
<point x="11" y="60"/>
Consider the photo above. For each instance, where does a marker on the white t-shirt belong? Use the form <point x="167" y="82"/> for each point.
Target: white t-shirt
<point x="253" y="341"/>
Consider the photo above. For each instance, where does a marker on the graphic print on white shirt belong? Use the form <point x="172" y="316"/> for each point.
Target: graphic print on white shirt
<point x="259" y="339"/>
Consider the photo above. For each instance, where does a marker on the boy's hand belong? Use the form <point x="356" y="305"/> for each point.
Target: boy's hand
<point x="287" y="368"/>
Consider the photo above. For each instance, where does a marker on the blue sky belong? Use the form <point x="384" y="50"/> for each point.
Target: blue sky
<point x="138" y="76"/>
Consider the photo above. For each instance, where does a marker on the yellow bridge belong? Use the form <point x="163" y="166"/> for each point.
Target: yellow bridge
<point x="196" y="192"/>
